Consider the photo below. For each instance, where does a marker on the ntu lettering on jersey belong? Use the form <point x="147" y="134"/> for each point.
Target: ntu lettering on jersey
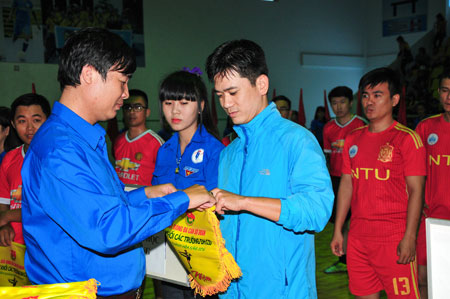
<point x="366" y="173"/>
<point x="437" y="160"/>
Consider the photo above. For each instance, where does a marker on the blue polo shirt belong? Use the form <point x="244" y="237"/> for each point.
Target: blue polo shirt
<point x="198" y="164"/>
<point x="78" y="222"/>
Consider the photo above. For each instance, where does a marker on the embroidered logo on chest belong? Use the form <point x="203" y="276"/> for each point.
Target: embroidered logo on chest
<point x="353" y="150"/>
<point x="386" y="153"/>
<point x="197" y="155"/>
<point x="138" y="156"/>
<point x="189" y="170"/>
<point x="432" y="139"/>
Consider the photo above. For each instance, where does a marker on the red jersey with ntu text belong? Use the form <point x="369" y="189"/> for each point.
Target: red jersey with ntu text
<point x="11" y="186"/>
<point x="435" y="134"/>
<point x="378" y="164"/>
<point x="135" y="159"/>
<point x="333" y="141"/>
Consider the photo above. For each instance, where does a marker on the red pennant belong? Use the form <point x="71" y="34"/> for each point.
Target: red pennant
<point x="359" y="104"/>
<point x="301" y="110"/>
<point x="213" y="108"/>
<point x="33" y="88"/>
<point x="401" y="117"/>
<point x="325" y="104"/>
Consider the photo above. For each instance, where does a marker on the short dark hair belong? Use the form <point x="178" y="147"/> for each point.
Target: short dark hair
<point x="445" y="75"/>
<point x="5" y="117"/>
<point x="381" y="75"/>
<point x="341" y="91"/>
<point x="282" y="98"/>
<point x="96" y="47"/>
<point x="184" y="85"/>
<point x="29" y="99"/>
<point x="12" y="141"/>
<point x="243" y="56"/>
<point x="139" y="93"/>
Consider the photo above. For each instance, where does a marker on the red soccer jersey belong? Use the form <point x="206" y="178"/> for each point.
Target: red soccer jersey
<point x="11" y="186"/>
<point x="135" y="159"/>
<point x="378" y="164"/>
<point x="435" y="133"/>
<point x="333" y="141"/>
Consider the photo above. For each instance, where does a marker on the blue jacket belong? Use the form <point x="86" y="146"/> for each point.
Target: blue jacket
<point x="274" y="157"/>
<point x="78" y="222"/>
<point x="198" y="165"/>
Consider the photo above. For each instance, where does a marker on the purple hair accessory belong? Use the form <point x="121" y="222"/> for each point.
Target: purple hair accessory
<point x="196" y="70"/>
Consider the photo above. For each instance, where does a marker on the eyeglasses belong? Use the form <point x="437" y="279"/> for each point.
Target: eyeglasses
<point x="133" y="107"/>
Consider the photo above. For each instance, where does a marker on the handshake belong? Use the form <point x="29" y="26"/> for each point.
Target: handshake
<point x="200" y="198"/>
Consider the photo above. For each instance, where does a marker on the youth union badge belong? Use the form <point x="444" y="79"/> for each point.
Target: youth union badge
<point x="432" y="139"/>
<point x="386" y="153"/>
<point x="353" y="150"/>
<point x="197" y="155"/>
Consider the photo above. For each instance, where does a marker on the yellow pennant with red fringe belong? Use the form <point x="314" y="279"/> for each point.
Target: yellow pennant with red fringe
<point x="73" y="290"/>
<point x="198" y="242"/>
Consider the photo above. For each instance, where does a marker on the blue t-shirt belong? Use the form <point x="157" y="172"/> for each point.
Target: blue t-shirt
<point x="78" y="222"/>
<point x="198" y="164"/>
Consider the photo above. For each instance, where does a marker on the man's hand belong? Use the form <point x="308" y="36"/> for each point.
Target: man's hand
<point x="406" y="250"/>
<point x="159" y="190"/>
<point x="337" y="244"/>
<point x="227" y="201"/>
<point x="199" y="198"/>
<point x="7" y="235"/>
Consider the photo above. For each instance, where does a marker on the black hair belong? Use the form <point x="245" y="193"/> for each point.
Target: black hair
<point x="29" y="99"/>
<point x="5" y="117"/>
<point x="341" y="91"/>
<point x="282" y="98"/>
<point x="381" y="75"/>
<point x="139" y="93"/>
<point x="445" y="75"/>
<point x="97" y="47"/>
<point x="12" y="141"/>
<point x="184" y="85"/>
<point x="319" y="108"/>
<point x="244" y="57"/>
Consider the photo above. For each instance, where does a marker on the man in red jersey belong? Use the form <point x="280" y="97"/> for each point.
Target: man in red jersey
<point x="434" y="132"/>
<point x="334" y="132"/>
<point x="135" y="150"/>
<point x="383" y="181"/>
<point x="28" y="113"/>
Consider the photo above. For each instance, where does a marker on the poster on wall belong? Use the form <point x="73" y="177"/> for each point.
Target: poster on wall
<point x="404" y="16"/>
<point x="34" y="31"/>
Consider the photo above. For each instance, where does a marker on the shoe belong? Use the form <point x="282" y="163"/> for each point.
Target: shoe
<point x="337" y="267"/>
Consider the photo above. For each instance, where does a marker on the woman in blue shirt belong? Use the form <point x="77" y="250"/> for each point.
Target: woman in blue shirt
<point x="191" y="155"/>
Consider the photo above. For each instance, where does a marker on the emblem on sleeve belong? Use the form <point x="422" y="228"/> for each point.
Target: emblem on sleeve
<point x="353" y="151"/>
<point x="386" y="153"/>
<point x="432" y="139"/>
<point x="197" y="155"/>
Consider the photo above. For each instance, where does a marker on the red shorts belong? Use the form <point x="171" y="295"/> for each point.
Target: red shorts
<point x="373" y="267"/>
<point x="421" y="247"/>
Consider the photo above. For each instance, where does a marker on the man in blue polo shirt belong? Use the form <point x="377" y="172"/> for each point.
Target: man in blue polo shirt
<point x="78" y="221"/>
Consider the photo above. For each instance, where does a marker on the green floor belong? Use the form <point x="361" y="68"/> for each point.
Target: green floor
<point x="328" y="285"/>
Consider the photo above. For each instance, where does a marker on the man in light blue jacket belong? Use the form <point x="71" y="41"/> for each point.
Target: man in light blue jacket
<point x="274" y="188"/>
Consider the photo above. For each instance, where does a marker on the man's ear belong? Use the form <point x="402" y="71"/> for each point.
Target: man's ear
<point x="395" y="99"/>
<point x="12" y="124"/>
<point x="88" y="73"/>
<point x="147" y="112"/>
<point x="262" y="83"/>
